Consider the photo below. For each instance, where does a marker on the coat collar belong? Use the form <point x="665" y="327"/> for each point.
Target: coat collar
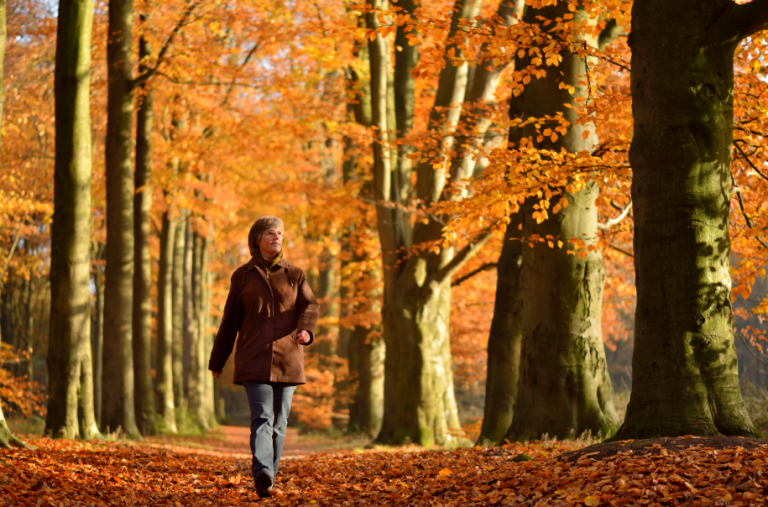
<point x="253" y="263"/>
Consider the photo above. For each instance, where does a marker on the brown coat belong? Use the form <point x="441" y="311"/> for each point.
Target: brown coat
<point x="267" y="309"/>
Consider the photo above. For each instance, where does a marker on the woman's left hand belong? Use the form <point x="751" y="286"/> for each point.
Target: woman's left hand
<point x="303" y="337"/>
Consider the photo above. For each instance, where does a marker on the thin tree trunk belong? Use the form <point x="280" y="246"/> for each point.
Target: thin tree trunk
<point x="179" y="398"/>
<point x="142" y="277"/>
<point x="564" y="387"/>
<point x="70" y="402"/>
<point x="684" y="367"/>
<point x="505" y="338"/>
<point x="197" y="390"/>
<point x="190" y="318"/>
<point x="118" y="373"/>
<point x="166" y="404"/>
<point x="97" y="328"/>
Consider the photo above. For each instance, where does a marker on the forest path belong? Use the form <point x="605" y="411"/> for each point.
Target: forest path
<point x="233" y="441"/>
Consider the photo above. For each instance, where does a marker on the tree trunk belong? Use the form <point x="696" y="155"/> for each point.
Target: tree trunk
<point x="164" y="360"/>
<point x="684" y="368"/>
<point x="505" y="338"/>
<point x="142" y="278"/>
<point x="198" y="373"/>
<point x="419" y="401"/>
<point x="70" y="401"/>
<point x="97" y="327"/>
<point x="118" y="386"/>
<point x="179" y="398"/>
<point x="564" y="387"/>
<point x="190" y="318"/>
<point x="366" y="355"/>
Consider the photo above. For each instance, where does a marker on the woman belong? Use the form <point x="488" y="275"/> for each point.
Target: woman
<point x="274" y="311"/>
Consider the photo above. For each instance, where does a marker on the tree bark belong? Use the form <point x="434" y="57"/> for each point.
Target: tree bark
<point x="179" y="398"/>
<point x="564" y="388"/>
<point x="684" y="368"/>
<point x="70" y="402"/>
<point x="97" y="326"/>
<point x="164" y="360"/>
<point x="419" y="400"/>
<point x="118" y="385"/>
<point x="197" y="391"/>
<point x="505" y="338"/>
<point x="190" y="318"/>
<point x="142" y="277"/>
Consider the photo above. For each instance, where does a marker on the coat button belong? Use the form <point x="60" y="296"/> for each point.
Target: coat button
<point x="270" y="377"/>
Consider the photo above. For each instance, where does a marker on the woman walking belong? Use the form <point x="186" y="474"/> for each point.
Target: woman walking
<point x="271" y="306"/>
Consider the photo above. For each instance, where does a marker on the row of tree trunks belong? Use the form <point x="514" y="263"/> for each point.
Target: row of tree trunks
<point x="70" y="408"/>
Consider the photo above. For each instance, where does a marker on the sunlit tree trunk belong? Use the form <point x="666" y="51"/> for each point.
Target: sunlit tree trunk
<point x="684" y="368"/>
<point x="164" y="359"/>
<point x="177" y="282"/>
<point x="505" y="338"/>
<point x="197" y="390"/>
<point x="419" y="400"/>
<point x="563" y="387"/>
<point x="118" y="374"/>
<point x="190" y="316"/>
<point x="70" y="402"/>
<point x="142" y="277"/>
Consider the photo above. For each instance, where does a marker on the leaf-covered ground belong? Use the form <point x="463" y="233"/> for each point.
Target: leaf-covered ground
<point x="687" y="471"/>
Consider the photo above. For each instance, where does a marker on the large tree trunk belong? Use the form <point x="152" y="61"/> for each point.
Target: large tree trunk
<point x="70" y="401"/>
<point x="419" y="400"/>
<point x="166" y="406"/>
<point x="564" y="387"/>
<point x="118" y="386"/>
<point x="684" y="368"/>
<point x="190" y="315"/>
<point x="505" y="338"/>
<point x="142" y="279"/>
<point x="179" y="398"/>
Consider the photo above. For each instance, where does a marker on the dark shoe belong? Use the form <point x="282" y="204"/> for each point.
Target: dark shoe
<point x="263" y="483"/>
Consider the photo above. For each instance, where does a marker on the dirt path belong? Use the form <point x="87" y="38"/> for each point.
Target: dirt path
<point x="233" y="441"/>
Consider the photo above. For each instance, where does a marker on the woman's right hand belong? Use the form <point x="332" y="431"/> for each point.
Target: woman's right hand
<point x="216" y="374"/>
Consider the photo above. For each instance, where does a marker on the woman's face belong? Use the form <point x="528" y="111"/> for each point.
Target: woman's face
<point x="271" y="242"/>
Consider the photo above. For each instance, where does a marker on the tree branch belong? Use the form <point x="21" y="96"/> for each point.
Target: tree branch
<point x="458" y="261"/>
<point x="741" y="20"/>
<point x="8" y="257"/>
<point x="161" y="56"/>
<point x="749" y="161"/>
<point x="613" y="221"/>
<point x="487" y="265"/>
<point x="611" y="32"/>
<point x="749" y="349"/>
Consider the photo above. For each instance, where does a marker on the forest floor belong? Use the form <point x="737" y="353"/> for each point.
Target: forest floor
<point x="215" y="470"/>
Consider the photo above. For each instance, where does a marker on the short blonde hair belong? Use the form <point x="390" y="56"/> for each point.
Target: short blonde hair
<point x="260" y="226"/>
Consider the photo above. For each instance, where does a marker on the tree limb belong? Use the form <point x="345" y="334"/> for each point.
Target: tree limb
<point x="8" y="257"/>
<point x="161" y="56"/>
<point x="620" y="250"/>
<point x="458" y="261"/>
<point x="740" y="21"/>
<point x="611" y="32"/>
<point x="487" y="265"/>
<point x="749" y="349"/>
<point x="613" y="221"/>
<point x="749" y="161"/>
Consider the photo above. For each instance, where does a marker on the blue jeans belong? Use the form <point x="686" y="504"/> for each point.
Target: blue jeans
<point x="270" y="405"/>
